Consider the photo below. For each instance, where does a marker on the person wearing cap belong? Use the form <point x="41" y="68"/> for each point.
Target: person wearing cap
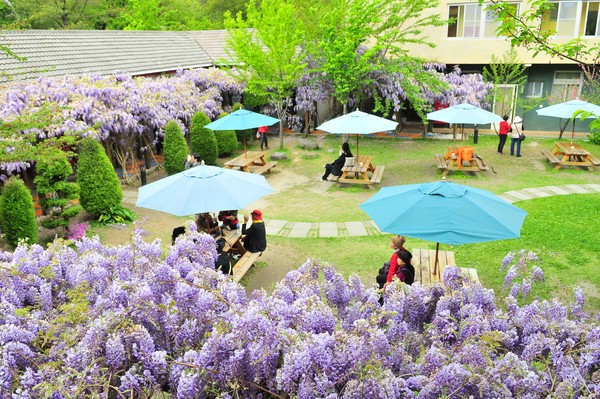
<point x="255" y="236"/>
<point x="262" y="131"/>
<point x="517" y="129"/>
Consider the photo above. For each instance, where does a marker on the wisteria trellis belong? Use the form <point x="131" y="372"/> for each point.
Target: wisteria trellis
<point x="100" y="321"/>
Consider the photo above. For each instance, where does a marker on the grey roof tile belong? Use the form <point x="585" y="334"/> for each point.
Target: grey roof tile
<point x="58" y="53"/>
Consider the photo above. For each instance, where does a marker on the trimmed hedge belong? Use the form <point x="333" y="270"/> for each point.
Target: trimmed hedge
<point x="18" y="213"/>
<point x="175" y="148"/>
<point x="203" y="140"/>
<point x="226" y="140"/>
<point x="100" y="188"/>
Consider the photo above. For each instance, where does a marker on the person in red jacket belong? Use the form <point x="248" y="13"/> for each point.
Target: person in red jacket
<point x="503" y="130"/>
<point x="397" y="244"/>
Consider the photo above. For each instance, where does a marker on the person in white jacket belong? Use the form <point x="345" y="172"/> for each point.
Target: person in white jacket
<point x="517" y="129"/>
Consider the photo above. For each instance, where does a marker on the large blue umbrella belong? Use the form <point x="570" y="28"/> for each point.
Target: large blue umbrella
<point x="357" y="122"/>
<point x="242" y="119"/>
<point x="203" y="189"/>
<point x="567" y="109"/>
<point x="464" y="113"/>
<point x="444" y="212"/>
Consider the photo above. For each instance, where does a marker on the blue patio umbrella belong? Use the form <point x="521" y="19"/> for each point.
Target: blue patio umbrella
<point x="203" y="189"/>
<point x="242" y="119"/>
<point x="444" y="212"/>
<point x="567" y="109"/>
<point x="358" y="123"/>
<point x="464" y="113"/>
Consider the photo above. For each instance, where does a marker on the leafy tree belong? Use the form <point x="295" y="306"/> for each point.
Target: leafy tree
<point x="203" y="140"/>
<point x="271" y="55"/>
<point x="18" y="213"/>
<point x="58" y="197"/>
<point x="175" y="148"/>
<point x="227" y="141"/>
<point x="100" y="189"/>
<point x="161" y="15"/>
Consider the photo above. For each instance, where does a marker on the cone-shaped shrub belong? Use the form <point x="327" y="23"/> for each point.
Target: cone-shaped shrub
<point x="175" y="149"/>
<point x="203" y="140"/>
<point x="100" y="189"/>
<point x="226" y="140"/>
<point x="18" y="213"/>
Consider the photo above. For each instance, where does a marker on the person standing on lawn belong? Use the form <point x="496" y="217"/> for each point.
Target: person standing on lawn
<point x="503" y="131"/>
<point x="515" y="135"/>
<point x="263" y="137"/>
<point x="255" y="236"/>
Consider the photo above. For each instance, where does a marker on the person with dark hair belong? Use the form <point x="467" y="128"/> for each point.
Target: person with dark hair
<point x="404" y="270"/>
<point x="192" y="161"/>
<point x="335" y="168"/>
<point x="503" y="130"/>
<point x="397" y="244"/>
<point x="262" y="132"/>
<point x="177" y="231"/>
<point x="229" y="219"/>
<point x="222" y="263"/>
<point x="255" y="236"/>
<point x="207" y="224"/>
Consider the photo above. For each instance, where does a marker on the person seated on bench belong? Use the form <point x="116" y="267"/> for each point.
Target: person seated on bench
<point x="222" y="263"/>
<point x="229" y="219"/>
<point x="335" y="168"/>
<point x="207" y="224"/>
<point x="255" y="239"/>
<point x="397" y="244"/>
<point x="177" y="231"/>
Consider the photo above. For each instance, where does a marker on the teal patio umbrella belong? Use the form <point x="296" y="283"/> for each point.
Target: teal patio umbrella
<point x="358" y="123"/>
<point x="464" y="113"/>
<point x="566" y="110"/>
<point x="201" y="189"/>
<point x="444" y="212"/>
<point x="242" y="119"/>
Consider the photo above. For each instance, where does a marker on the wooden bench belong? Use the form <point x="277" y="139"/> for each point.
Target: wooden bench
<point x="266" y="168"/>
<point x="244" y="264"/>
<point x="423" y="261"/>
<point x="480" y="164"/>
<point x="441" y="161"/>
<point x="595" y="161"/>
<point x="551" y="157"/>
<point x="377" y="174"/>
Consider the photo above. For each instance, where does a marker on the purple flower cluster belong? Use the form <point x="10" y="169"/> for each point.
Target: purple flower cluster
<point x="523" y="266"/>
<point x="127" y="321"/>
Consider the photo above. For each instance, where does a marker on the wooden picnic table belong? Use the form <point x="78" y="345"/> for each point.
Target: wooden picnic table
<point x="452" y="161"/>
<point x="570" y="154"/>
<point x="357" y="174"/>
<point x="423" y="261"/>
<point x="233" y="238"/>
<point x="244" y="161"/>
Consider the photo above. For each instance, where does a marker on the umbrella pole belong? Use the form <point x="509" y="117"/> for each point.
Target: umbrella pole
<point x="573" y="131"/>
<point x="357" y="146"/>
<point x="462" y="132"/>
<point x="244" y="136"/>
<point x="437" y="249"/>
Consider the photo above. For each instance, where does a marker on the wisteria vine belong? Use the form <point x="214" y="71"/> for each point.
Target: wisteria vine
<point x="88" y="320"/>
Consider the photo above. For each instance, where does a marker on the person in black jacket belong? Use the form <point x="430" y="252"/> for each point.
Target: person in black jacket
<point x="255" y="239"/>
<point x="222" y="263"/>
<point x="335" y="168"/>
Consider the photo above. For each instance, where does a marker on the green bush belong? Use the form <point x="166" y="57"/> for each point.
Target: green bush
<point x="59" y="198"/>
<point x="203" y="140"/>
<point x="226" y="140"/>
<point x="175" y="149"/>
<point x="18" y="211"/>
<point x="100" y="189"/>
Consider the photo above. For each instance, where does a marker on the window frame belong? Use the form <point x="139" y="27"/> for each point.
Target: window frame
<point x="567" y="82"/>
<point x="535" y="93"/>
<point x="458" y="27"/>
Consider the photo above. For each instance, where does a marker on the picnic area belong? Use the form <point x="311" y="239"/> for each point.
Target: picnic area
<point x="301" y="198"/>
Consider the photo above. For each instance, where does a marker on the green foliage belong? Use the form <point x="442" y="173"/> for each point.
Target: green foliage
<point x="175" y="149"/>
<point x="18" y="213"/>
<point x="57" y="196"/>
<point x="227" y="141"/>
<point x="594" y="135"/>
<point x="203" y="140"/>
<point x="162" y="15"/>
<point x="116" y="214"/>
<point x="100" y="189"/>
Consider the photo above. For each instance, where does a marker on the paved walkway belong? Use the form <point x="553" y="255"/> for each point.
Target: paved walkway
<point x="367" y="228"/>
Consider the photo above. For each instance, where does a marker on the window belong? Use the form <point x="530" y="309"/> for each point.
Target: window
<point x="566" y="85"/>
<point x="472" y="21"/>
<point x="534" y="89"/>
<point x="562" y="19"/>
<point x="591" y="24"/>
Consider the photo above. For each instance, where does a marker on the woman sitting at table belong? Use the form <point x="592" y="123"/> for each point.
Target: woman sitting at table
<point x="229" y="219"/>
<point x="335" y="168"/>
<point x="207" y="224"/>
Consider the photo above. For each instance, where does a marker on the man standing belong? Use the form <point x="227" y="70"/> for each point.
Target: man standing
<point x="255" y="239"/>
